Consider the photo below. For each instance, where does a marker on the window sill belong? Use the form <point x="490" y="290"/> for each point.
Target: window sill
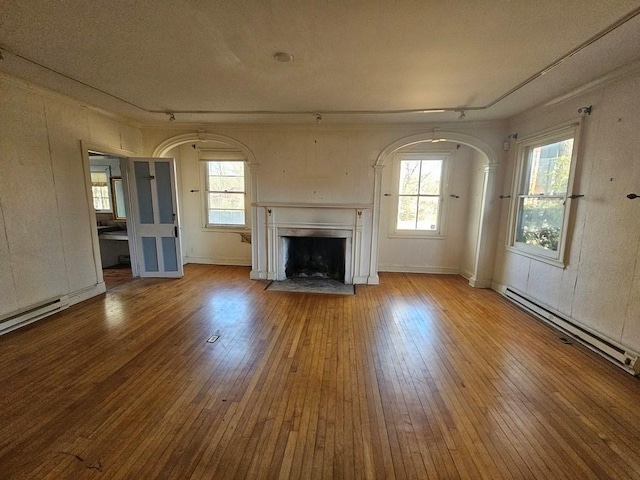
<point x="417" y="235"/>
<point x="540" y="258"/>
<point x="227" y="229"/>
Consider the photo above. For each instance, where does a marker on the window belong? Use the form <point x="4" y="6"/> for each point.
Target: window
<point x="545" y="173"/>
<point x="100" y="191"/>
<point x="224" y="193"/>
<point x="419" y="206"/>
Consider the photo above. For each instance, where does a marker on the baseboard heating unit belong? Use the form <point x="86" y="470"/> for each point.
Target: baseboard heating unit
<point x="30" y="315"/>
<point x="617" y="354"/>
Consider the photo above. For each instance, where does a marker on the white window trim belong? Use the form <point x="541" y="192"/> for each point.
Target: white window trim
<point x="212" y="155"/>
<point x="445" y="156"/>
<point x="560" y="132"/>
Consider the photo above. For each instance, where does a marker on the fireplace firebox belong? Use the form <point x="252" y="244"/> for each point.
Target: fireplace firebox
<point x="314" y="252"/>
<point x="316" y="257"/>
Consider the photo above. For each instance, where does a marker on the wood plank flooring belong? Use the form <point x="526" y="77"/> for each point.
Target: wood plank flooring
<point x="419" y="377"/>
<point x="116" y="275"/>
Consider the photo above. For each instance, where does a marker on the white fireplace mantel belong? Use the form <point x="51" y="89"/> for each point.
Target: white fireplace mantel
<point x="279" y="220"/>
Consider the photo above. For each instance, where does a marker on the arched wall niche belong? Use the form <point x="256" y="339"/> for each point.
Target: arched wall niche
<point x="221" y="141"/>
<point x="485" y="250"/>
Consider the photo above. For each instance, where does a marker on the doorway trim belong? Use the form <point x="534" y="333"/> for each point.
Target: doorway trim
<point x="116" y="152"/>
<point x="487" y="233"/>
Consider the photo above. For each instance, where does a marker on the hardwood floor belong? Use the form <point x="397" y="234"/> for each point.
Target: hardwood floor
<point x="419" y="377"/>
<point x="116" y="275"/>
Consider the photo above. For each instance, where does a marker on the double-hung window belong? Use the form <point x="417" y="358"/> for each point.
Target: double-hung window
<point x="420" y="184"/>
<point x="100" y="190"/>
<point x="543" y="185"/>
<point x="224" y="198"/>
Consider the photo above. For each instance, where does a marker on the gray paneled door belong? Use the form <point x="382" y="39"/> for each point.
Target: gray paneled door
<point x="156" y="228"/>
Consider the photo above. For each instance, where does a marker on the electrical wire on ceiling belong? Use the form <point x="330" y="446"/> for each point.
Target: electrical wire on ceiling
<point x="286" y="57"/>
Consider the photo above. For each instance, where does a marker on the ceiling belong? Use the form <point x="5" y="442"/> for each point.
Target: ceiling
<point x="353" y="61"/>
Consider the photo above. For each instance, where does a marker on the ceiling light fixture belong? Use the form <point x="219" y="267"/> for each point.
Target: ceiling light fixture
<point x="463" y="114"/>
<point x="318" y="117"/>
<point x="172" y="117"/>
<point x="434" y="110"/>
<point x="283" y="57"/>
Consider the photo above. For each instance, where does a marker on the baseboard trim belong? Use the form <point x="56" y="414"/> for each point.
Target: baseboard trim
<point x="258" y="275"/>
<point x="229" y="261"/>
<point x="419" y="269"/>
<point x="87" y="293"/>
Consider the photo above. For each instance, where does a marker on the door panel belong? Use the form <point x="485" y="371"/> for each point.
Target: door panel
<point x="156" y="220"/>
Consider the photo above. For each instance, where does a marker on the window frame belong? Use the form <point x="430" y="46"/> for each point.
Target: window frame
<point x="443" y="155"/>
<point x="204" y="158"/>
<point x="521" y="173"/>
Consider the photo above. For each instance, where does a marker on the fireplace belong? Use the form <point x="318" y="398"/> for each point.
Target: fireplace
<point x="315" y="257"/>
<point x="275" y="227"/>
<point x="321" y="253"/>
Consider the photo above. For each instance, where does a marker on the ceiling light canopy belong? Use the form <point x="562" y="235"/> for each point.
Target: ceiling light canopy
<point x="283" y="57"/>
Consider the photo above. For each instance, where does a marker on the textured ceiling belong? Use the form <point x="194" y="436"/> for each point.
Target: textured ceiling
<point x="373" y="60"/>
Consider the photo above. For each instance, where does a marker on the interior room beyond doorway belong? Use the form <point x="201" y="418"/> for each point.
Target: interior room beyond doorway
<point x="110" y="203"/>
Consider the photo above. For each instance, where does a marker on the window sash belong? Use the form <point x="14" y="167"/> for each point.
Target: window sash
<point x="540" y="222"/>
<point x="101" y="198"/>
<point x="552" y="180"/>
<point x="419" y="205"/>
<point x="101" y="191"/>
<point x="540" y="210"/>
<point x="224" y="193"/>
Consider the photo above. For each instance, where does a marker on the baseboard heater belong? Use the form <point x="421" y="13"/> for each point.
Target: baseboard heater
<point x="617" y="354"/>
<point x="32" y="314"/>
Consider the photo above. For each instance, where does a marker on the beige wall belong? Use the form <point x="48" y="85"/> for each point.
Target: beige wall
<point x="198" y="244"/>
<point x="321" y="164"/>
<point x="434" y="255"/>
<point x="600" y="286"/>
<point x="46" y="243"/>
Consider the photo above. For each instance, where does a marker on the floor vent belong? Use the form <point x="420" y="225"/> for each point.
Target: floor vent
<point x="617" y="354"/>
<point x="30" y="315"/>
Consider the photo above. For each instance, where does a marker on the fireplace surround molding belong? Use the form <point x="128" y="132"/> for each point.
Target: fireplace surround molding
<point x="277" y="222"/>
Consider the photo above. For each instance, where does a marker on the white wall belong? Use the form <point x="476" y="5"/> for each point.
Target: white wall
<point x="435" y="255"/>
<point x="198" y="244"/>
<point x="46" y="242"/>
<point x="600" y="286"/>
<point x="317" y="164"/>
<point x="475" y="170"/>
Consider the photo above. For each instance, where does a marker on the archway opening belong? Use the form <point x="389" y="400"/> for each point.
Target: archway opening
<point x="468" y="249"/>
<point x="217" y="219"/>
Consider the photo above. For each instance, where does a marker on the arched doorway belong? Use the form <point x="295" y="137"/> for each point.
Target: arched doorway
<point x="482" y="271"/>
<point x="223" y="143"/>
